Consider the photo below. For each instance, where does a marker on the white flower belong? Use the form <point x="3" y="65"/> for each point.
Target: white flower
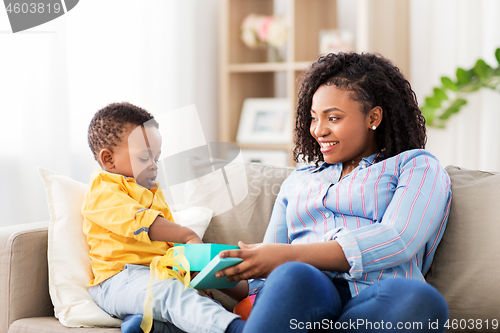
<point x="250" y="22"/>
<point x="257" y="30"/>
<point x="249" y="38"/>
<point x="277" y="34"/>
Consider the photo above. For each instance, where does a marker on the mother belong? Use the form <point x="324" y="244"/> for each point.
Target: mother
<point x="351" y="237"/>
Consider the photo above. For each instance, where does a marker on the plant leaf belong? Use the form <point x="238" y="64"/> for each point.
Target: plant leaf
<point x="429" y="113"/>
<point x="481" y="69"/>
<point x="453" y="108"/>
<point x="460" y="102"/>
<point x="448" y="112"/>
<point x="439" y="93"/>
<point x="433" y="102"/>
<point x="462" y="76"/>
<point x="437" y="112"/>
<point x="448" y="83"/>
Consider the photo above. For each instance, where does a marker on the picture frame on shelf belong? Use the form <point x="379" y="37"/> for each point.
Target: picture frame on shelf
<point x="265" y="121"/>
<point x="335" y="41"/>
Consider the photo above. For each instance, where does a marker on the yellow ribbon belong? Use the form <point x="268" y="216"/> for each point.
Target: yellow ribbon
<point x="163" y="268"/>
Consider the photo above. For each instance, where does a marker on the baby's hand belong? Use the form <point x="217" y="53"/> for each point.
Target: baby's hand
<point x="208" y="292"/>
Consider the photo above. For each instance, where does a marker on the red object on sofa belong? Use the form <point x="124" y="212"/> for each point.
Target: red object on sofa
<point x="244" y="307"/>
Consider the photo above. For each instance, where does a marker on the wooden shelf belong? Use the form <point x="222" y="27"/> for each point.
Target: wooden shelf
<point x="267" y="67"/>
<point x="287" y="147"/>
<point x="246" y="73"/>
<point x="258" y="67"/>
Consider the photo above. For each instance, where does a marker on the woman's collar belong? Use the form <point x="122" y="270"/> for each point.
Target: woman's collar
<point x="365" y="162"/>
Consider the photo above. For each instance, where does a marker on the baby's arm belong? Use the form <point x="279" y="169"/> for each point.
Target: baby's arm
<point x="166" y="231"/>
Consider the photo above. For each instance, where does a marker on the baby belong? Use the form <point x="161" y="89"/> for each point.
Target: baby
<point x="128" y="223"/>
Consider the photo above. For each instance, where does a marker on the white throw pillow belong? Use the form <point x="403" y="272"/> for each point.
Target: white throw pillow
<point x="70" y="268"/>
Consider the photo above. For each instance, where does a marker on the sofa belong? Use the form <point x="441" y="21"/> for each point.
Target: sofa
<point x="465" y="268"/>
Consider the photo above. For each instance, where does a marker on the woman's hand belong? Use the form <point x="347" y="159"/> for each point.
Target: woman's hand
<point x="259" y="260"/>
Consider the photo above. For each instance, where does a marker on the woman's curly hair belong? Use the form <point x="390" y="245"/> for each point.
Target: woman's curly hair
<point x="373" y="81"/>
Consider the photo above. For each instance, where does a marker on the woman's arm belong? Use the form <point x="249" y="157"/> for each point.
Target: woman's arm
<point x="259" y="260"/>
<point x="166" y="231"/>
<point x="412" y="223"/>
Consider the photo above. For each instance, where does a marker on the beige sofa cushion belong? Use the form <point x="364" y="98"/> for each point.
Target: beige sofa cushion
<point x="465" y="269"/>
<point x="52" y="325"/>
<point x="23" y="276"/>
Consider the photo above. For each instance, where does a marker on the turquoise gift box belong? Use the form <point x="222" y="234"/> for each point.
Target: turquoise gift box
<point x="205" y="259"/>
<point x="200" y="255"/>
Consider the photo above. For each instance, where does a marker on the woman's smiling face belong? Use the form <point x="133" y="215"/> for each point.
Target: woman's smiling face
<point x="341" y="128"/>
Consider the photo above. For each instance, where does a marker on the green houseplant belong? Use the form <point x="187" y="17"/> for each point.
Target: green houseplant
<point x="451" y="96"/>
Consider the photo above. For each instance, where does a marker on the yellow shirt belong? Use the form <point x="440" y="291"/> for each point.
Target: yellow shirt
<point x="117" y="215"/>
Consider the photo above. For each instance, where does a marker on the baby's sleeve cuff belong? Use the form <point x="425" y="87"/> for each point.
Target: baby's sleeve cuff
<point x="144" y="218"/>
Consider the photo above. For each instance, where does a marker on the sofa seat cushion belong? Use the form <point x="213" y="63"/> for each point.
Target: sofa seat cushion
<point x="51" y="325"/>
<point x="465" y="266"/>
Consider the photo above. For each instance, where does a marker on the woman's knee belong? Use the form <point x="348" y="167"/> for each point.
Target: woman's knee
<point x="301" y="279"/>
<point x="298" y="277"/>
<point x="421" y="297"/>
<point x="296" y="271"/>
<point x="399" y="302"/>
<point x="296" y="283"/>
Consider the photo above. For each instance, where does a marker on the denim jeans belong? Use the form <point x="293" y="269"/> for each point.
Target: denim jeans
<point x="126" y="292"/>
<point x="299" y="297"/>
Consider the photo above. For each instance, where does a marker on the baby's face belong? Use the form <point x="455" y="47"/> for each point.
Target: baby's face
<point x="137" y="156"/>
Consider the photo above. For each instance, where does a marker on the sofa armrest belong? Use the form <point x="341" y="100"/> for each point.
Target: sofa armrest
<point x="24" y="290"/>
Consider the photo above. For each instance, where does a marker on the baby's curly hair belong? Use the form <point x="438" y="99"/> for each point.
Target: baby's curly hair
<point x="373" y="81"/>
<point x="108" y="124"/>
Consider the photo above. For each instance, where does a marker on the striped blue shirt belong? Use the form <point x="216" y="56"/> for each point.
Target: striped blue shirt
<point x="388" y="216"/>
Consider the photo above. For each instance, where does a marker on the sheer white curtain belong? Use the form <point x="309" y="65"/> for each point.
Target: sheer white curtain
<point x="160" y="55"/>
<point x="446" y="34"/>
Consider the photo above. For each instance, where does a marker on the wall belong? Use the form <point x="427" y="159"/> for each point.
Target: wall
<point x="446" y="34"/>
<point x="160" y="55"/>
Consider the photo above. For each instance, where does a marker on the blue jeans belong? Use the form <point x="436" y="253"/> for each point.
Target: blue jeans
<point x="299" y="297"/>
<point x="126" y="292"/>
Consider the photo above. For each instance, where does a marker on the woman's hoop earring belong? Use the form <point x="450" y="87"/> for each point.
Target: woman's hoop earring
<point x="374" y="127"/>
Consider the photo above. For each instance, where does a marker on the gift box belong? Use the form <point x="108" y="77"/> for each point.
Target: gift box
<point x="205" y="259"/>
<point x="200" y="255"/>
